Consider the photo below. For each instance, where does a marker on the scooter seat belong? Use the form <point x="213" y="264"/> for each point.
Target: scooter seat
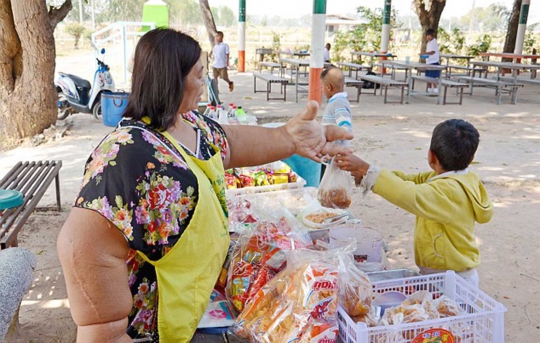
<point x="80" y="82"/>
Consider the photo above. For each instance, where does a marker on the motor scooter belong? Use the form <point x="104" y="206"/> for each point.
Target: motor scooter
<point x="76" y="94"/>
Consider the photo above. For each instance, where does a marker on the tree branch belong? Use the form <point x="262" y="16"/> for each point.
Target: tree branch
<point x="57" y="14"/>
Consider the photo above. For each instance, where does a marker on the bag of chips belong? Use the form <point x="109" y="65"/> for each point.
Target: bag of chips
<point x="257" y="257"/>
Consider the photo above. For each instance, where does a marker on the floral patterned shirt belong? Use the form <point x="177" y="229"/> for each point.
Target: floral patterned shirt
<point x="138" y="181"/>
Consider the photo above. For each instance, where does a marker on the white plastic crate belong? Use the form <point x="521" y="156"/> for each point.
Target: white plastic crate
<point x="300" y="183"/>
<point x="483" y="321"/>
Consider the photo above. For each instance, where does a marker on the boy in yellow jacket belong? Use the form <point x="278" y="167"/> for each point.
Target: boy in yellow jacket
<point x="446" y="201"/>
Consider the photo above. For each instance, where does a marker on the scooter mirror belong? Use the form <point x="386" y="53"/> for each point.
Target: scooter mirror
<point x="103" y="51"/>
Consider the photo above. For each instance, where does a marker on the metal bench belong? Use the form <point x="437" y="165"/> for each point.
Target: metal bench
<point x="350" y="82"/>
<point x="352" y="67"/>
<point x="272" y="66"/>
<point x="385" y="83"/>
<point x="521" y="80"/>
<point x="31" y="179"/>
<point x="444" y="83"/>
<point x="499" y="86"/>
<point x="467" y="70"/>
<point x="269" y="79"/>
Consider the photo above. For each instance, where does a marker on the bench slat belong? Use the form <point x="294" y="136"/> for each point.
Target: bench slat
<point x="270" y="77"/>
<point x="381" y="80"/>
<point x="444" y="82"/>
<point x="489" y="81"/>
<point x="32" y="179"/>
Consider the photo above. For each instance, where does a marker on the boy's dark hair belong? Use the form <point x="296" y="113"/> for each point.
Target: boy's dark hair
<point x="220" y="33"/>
<point x="430" y="32"/>
<point x="325" y="72"/>
<point x="454" y="143"/>
<point x="163" y="59"/>
<point x="328" y="46"/>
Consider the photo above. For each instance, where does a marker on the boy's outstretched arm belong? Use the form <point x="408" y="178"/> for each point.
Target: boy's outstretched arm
<point x="425" y="200"/>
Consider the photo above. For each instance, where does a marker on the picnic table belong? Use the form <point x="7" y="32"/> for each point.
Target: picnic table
<point x="296" y="64"/>
<point x="409" y="67"/>
<point x="372" y="56"/>
<point x="467" y="68"/>
<point x="500" y="83"/>
<point x="293" y="53"/>
<point x="515" y="57"/>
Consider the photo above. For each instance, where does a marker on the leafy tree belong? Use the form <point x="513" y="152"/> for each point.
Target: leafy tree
<point x="365" y="36"/>
<point x="76" y="31"/>
<point x="490" y="18"/>
<point x="226" y="16"/>
<point x="482" y="45"/>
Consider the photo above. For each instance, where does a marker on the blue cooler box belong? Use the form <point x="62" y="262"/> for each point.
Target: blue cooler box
<point x="113" y="105"/>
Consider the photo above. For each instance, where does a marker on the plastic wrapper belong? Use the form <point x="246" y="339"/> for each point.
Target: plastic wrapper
<point x="218" y="312"/>
<point x="299" y="304"/>
<point x="242" y="216"/>
<point x="355" y="291"/>
<point x="257" y="257"/>
<point x="335" y="187"/>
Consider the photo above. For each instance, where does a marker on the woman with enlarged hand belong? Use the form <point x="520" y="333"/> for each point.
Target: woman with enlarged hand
<point x="144" y="244"/>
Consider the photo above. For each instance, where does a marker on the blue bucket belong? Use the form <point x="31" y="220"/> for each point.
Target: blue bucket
<point x="307" y="169"/>
<point x="113" y="105"/>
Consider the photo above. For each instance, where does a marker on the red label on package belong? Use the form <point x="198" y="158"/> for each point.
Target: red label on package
<point x="434" y="336"/>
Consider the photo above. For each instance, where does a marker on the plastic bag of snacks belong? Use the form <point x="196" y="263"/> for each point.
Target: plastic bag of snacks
<point x="355" y="291"/>
<point x="257" y="257"/>
<point x="299" y="304"/>
<point x="335" y="187"/>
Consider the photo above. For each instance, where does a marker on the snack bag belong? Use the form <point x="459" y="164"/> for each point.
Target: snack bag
<point x="297" y="305"/>
<point x="355" y="291"/>
<point x="335" y="187"/>
<point x="257" y="257"/>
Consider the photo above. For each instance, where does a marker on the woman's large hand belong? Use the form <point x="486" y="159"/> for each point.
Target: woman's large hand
<point x="311" y="139"/>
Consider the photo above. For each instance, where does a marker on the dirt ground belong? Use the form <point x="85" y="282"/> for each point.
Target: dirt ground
<point x="393" y="136"/>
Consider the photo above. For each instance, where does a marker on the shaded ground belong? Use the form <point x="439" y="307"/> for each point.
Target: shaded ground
<point x="393" y="136"/>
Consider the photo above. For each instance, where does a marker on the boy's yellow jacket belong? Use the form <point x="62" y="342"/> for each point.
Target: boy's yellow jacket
<point x="446" y="208"/>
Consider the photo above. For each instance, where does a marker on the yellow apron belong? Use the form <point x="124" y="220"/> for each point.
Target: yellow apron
<point x="186" y="275"/>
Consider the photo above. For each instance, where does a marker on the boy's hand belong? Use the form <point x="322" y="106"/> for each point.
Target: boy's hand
<point x="354" y="164"/>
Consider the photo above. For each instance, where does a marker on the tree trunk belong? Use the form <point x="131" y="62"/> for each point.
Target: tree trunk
<point x="429" y="17"/>
<point x="27" y="60"/>
<point x="511" y="31"/>
<point x="209" y="22"/>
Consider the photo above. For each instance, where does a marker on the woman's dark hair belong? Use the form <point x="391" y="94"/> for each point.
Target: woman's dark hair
<point x="454" y="142"/>
<point x="163" y="59"/>
<point x="430" y="32"/>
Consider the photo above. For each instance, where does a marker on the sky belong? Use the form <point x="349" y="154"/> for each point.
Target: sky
<point x="297" y="8"/>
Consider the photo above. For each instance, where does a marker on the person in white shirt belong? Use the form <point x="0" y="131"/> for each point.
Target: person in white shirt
<point x="432" y="49"/>
<point x="221" y="60"/>
<point x="327" y="52"/>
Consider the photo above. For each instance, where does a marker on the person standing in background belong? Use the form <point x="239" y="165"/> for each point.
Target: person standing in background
<point x="221" y="60"/>
<point x="327" y="52"/>
<point x="432" y="49"/>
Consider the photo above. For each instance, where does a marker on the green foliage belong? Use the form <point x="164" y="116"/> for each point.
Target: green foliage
<point x="487" y="19"/>
<point x="184" y="12"/>
<point x="365" y="36"/>
<point x="276" y="45"/>
<point x="75" y="30"/>
<point x="450" y="43"/>
<point x="531" y="39"/>
<point x="226" y="16"/>
<point x="482" y="45"/>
